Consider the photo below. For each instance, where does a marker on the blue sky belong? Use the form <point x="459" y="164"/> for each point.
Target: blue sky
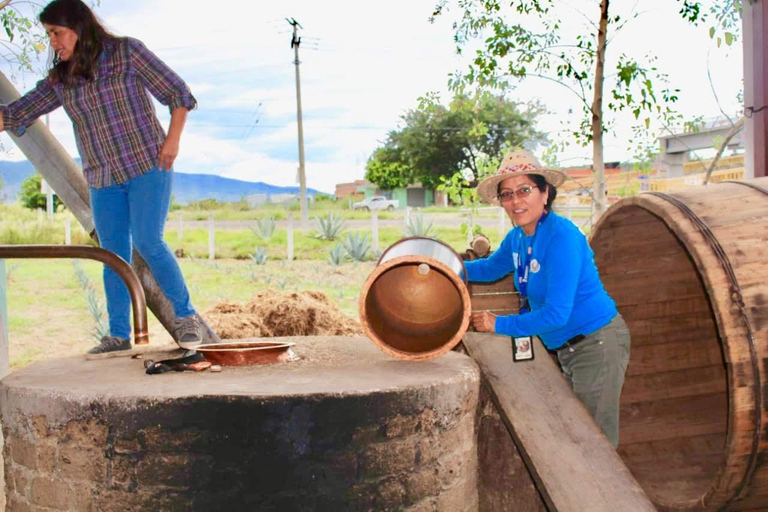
<point x="363" y="65"/>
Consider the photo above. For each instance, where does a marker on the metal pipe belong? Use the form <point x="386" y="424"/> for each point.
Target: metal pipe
<point x="415" y="304"/>
<point x="112" y="260"/>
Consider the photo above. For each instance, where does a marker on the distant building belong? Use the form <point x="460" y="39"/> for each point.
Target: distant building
<point x="355" y="188"/>
<point x="283" y="198"/>
<point x="676" y="149"/>
<point x="255" y="200"/>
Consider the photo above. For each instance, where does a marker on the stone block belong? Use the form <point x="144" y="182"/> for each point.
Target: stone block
<point x="427" y="505"/>
<point x="368" y="434"/>
<point x="461" y="497"/>
<point x="47" y="492"/>
<point x="23" y="452"/>
<point x="46" y="457"/>
<point x="159" y="439"/>
<point x="121" y="472"/>
<point x="83" y="497"/>
<point x="173" y="470"/>
<point x="391" y="493"/>
<point x="125" y="446"/>
<point x="40" y="426"/>
<point x="402" y="426"/>
<point x="81" y="462"/>
<point x="429" y="448"/>
<point x="451" y="467"/>
<point x="392" y="458"/>
<point x="87" y="433"/>
<point x="19" y="482"/>
<point x="18" y="504"/>
<point x="422" y="485"/>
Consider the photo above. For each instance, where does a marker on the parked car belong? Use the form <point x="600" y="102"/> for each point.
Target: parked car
<point x="376" y="203"/>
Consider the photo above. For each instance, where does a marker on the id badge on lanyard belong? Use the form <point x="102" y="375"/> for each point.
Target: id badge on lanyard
<point x="522" y="347"/>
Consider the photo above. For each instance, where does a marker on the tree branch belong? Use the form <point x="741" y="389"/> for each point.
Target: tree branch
<point x="728" y="136"/>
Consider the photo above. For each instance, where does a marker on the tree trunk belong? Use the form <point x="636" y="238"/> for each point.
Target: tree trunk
<point x="59" y="169"/>
<point x="598" y="163"/>
<point x="736" y="128"/>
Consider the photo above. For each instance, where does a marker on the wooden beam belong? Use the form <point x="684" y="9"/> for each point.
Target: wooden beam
<point x="573" y="464"/>
<point x="755" y="37"/>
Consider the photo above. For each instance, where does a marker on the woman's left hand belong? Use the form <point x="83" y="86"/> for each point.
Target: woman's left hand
<point x="484" y="321"/>
<point x="168" y="154"/>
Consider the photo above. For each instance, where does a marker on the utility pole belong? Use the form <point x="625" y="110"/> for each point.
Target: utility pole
<point x="295" y="42"/>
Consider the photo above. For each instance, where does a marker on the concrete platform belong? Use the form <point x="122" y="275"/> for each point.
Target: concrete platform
<point x="346" y="427"/>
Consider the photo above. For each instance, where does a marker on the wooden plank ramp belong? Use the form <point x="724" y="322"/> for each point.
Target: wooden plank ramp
<point x="574" y="466"/>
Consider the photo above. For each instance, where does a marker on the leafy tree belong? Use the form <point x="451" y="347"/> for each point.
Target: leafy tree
<point x="438" y="141"/>
<point x="722" y="16"/>
<point x="30" y="195"/>
<point x="24" y="38"/>
<point x="530" y="38"/>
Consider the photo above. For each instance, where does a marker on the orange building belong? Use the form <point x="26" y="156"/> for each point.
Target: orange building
<point x="350" y="189"/>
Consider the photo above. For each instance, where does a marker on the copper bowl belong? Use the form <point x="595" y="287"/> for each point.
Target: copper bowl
<point x="241" y="353"/>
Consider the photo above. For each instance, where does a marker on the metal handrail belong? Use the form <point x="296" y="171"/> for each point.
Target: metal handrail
<point x="112" y="260"/>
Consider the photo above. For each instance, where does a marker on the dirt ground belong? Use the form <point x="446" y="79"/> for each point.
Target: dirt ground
<point x="276" y="313"/>
<point x="50" y="318"/>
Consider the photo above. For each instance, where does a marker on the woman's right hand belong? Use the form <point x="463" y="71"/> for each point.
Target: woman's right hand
<point x="484" y="321"/>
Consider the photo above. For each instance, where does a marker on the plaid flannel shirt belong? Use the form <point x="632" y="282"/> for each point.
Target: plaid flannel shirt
<point x="116" y="127"/>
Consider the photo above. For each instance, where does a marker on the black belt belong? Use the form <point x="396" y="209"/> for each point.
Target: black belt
<point x="571" y="342"/>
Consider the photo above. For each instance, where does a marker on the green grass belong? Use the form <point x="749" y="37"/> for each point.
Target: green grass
<point x="240" y="244"/>
<point x="49" y="317"/>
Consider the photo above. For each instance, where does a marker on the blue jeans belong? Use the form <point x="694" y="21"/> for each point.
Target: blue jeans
<point x="133" y="213"/>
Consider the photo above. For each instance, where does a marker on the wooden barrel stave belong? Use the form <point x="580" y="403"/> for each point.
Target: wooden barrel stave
<point x="691" y="407"/>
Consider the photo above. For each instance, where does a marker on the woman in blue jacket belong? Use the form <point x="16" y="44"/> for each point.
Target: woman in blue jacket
<point x="562" y="299"/>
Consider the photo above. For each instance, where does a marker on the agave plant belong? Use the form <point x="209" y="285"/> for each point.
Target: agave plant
<point x="95" y="305"/>
<point x="357" y="245"/>
<point x="260" y="256"/>
<point x="418" y="226"/>
<point x="337" y="255"/>
<point x="265" y="228"/>
<point x="330" y="226"/>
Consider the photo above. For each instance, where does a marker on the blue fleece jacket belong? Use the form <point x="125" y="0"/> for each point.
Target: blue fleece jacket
<point x="565" y="293"/>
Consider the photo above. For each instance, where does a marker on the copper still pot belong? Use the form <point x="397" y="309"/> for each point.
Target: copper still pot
<point x="415" y="304"/>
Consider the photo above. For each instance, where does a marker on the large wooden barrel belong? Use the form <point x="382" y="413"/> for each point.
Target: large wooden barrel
<point x="689" y="273"/>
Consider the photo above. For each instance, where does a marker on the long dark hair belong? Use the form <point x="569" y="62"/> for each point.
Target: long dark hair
<point x="77" y="16"/>
<point x="543" y="185"/>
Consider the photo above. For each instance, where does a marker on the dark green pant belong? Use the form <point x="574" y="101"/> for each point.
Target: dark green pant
<point x="595" y="367"/>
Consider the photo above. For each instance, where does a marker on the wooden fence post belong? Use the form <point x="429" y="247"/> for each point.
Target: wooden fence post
<point x="5" y="363"/>
<point x="375" y="229"/>
<point x="502" y="223"/>
<point x="211" y="238"/>
<point x="470" y="229"/>
<point x="290" y="237"/>
<point x="67" y="231"/>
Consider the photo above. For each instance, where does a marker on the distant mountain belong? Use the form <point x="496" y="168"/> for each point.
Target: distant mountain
<point x="186" y="187"/>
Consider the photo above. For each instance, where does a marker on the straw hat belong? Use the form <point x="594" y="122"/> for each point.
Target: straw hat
<point x="516" y="163"/>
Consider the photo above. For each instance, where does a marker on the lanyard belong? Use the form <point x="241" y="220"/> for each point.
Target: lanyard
<point x="524" y="265"/>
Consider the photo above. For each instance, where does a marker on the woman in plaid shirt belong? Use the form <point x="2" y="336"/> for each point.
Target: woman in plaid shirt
<point x="102" y="82"/>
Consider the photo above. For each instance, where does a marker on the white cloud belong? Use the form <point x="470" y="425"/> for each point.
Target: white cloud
<point x="363" y="64"/>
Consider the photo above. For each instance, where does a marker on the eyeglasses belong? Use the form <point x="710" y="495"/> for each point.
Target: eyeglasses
<point x="521" y="193"/>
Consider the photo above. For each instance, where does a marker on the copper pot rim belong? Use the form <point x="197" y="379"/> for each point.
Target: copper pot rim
<point x="431" y="239"/>
<point x="237" y="346"/>
<point x="436" y="265"/>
